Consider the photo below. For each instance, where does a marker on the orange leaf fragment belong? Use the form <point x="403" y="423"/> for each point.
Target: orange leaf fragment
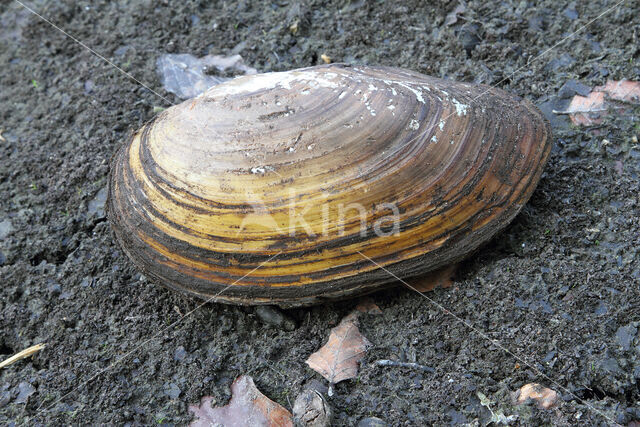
<point x="586" y="110"/>
<point x="366" y="305"/>
<point x="442" y="278"/>
<point x="339" y="358"/>
<point x="545" y="397"/>
<point x="247" y="407"/>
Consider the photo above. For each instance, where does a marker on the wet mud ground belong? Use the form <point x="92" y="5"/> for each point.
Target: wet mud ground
<point x="559" y="289"/>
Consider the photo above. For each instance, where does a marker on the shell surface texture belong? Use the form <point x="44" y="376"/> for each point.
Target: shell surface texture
<point x="299" y="187"/>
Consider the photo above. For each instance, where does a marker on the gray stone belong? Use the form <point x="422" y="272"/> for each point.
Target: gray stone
<point x="6" y="228"/>
<point x="96" y="206"/>
<point x="180" y="354"/>
<point x="172" y="390"/>
<point x="372" y="422"/>
<point x="24" y="391"/>
<point x="572" y="88"/>
<point x="625" y="336"/>
<point x="273" y="316"/>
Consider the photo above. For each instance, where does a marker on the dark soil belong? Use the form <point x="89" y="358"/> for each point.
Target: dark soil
<point x="559" y="289"/>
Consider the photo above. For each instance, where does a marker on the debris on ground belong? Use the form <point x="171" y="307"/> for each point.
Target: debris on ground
<point x="273" y="316"/>
<point x="247" y="407"/>
<point x="188" y="76"/>
<point x="311" y="409"/>
<point x="442" y="278"/>
<point x="452" y="17"/>
<point x="613" y="97"/>
<point x="27" y="352"/>
<point x="497" y="416"/>
<point x="410" y="365"/>
<point x="545" y="397"/>
<point x="339" y="358"/>
<point x="366" y="305"/>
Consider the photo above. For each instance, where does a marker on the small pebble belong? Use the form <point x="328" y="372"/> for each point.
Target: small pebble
<point x="372" y="422"/>
<point x="172" y="390"/>
<point x="96" y="206"/>
<point x="24" y="391"/>
<point x="6" y="228"/>
<point x="180" y="354"/>
<point x="310" y="409"/>
<point x="273" y="316"/>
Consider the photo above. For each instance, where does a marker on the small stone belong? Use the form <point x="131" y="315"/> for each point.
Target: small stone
<point x="372" y="422"/>
<point x="24" y="391"/>
<point x="310" y="409"/>
<point x="625" y="336"/>
<point x="96" y="206"/>
<point x="180" y="354"/>
<point x="172" y="390"/>
<point x="610" y="365"/>
<point x="572" y="88"/>
<point x="468" y="37"/>
<point x="88" y="86"/>
<point x="54" y="288"/>
<point x="559" y="62"/>
<point x="6" y="228"/>
<point x="602" y="309"/>
<point x="273" y="316"/>
<point x="570" y="12"/>
<point x="5" y="397"/>
<point x="121" y="50"/>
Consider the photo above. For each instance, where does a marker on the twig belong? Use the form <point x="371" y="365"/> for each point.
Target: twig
<point x="385" y="362"/>
<point x="23" y="354"/>
<point x="598" y="110"/>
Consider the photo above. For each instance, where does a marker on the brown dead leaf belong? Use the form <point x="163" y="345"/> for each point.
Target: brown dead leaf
<point x="339" y="358"/>
<point x="366" y="305"/>
<point x="588" y="110"/>
<point x="442" y="278"/>
<point x="545" y="397"/>
<point x="247" y="407"/>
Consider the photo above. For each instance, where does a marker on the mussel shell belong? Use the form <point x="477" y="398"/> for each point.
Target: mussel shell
<point x="247" y="193"/>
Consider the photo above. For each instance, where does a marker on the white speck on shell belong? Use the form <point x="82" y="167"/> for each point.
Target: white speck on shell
<point x="342" y="95"/>
<point x="461" y="109"/>
<point x="258" y="82"/>
<point x="414" y="124"/>
<point x="441" y="125"/>
<point x="434" y="139"/>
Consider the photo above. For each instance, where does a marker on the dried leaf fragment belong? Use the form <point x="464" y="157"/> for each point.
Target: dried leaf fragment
<point x="366" y="305"/>
<point x="587" y="110"/>
<point x="545" y="397"/>
<point x="247" y="407"/>
<point x="442" y="278"/>
<point x="339" y="358"/>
